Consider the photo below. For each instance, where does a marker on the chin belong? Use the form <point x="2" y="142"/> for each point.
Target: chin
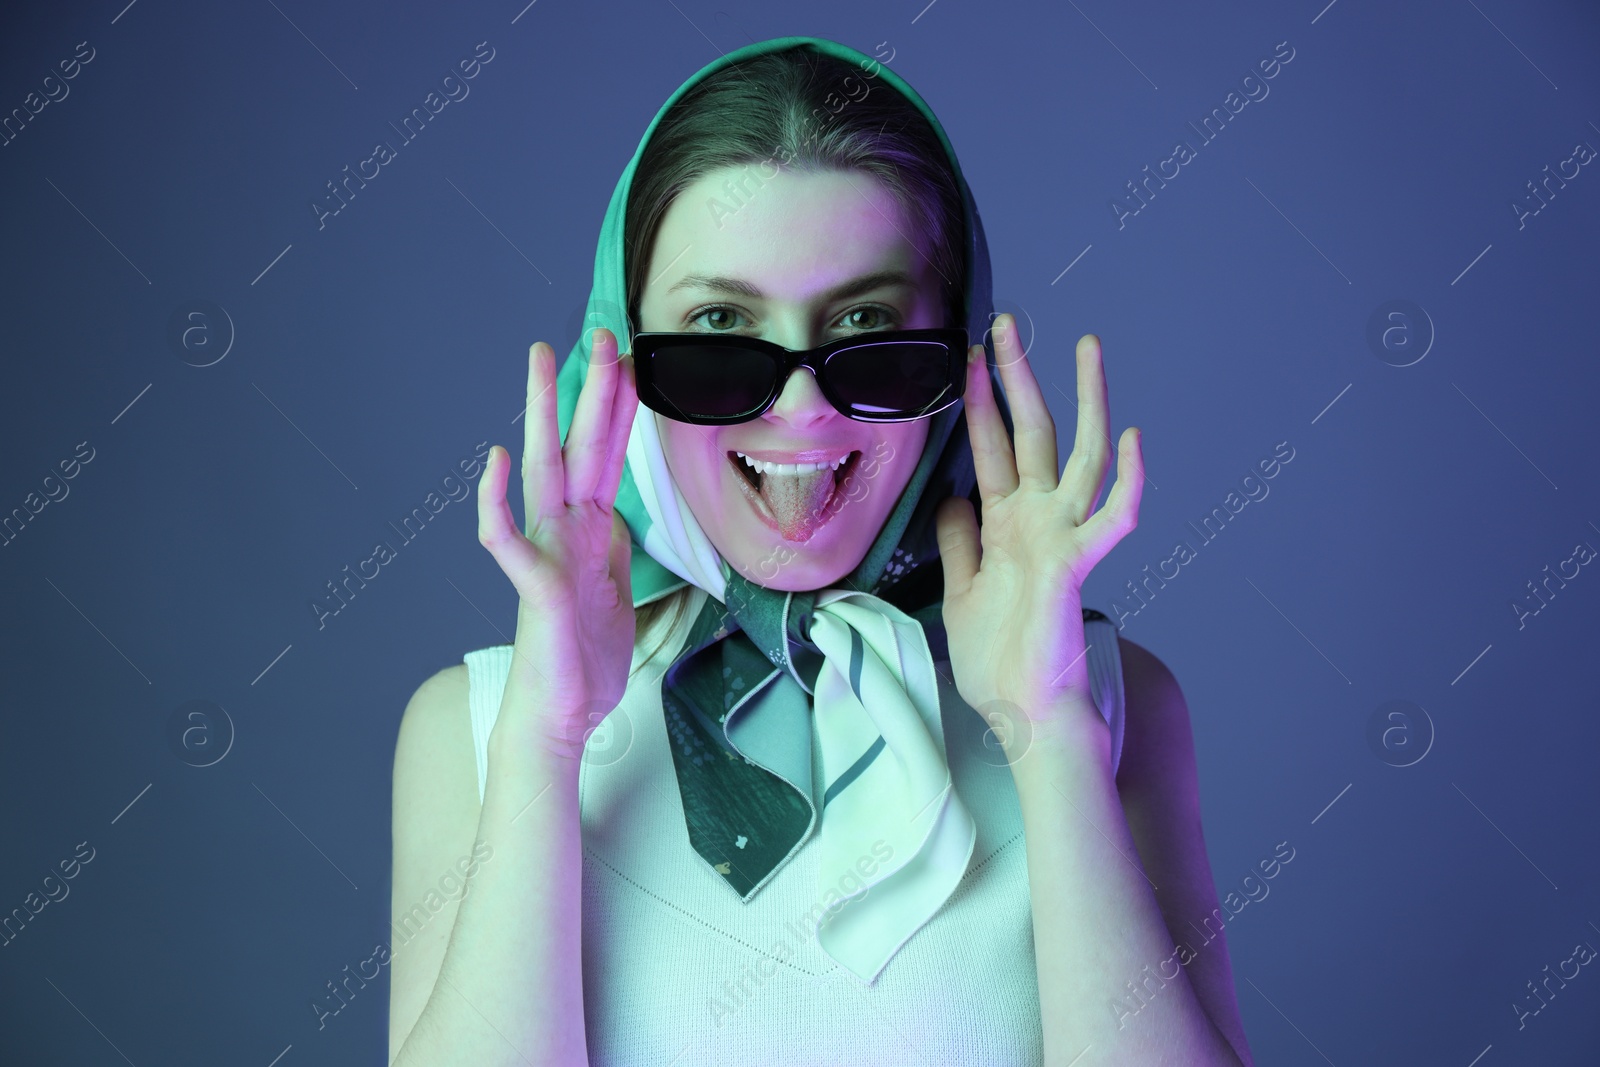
<point x="796" y="575"/>
<point x="765" y="557"/>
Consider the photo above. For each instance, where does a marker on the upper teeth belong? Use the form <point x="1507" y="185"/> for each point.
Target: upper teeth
<point x="790" y="468"/>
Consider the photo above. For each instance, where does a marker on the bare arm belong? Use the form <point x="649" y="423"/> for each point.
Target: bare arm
<point x="1111" y="987"/>
<point x="507" y="986"/>
<point x="435" y="822"/>
<point x="1160" y="791"/>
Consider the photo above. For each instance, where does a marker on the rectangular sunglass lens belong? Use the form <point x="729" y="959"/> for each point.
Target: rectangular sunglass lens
<point x="891" y="377"/>
<point x="712" y="381"/>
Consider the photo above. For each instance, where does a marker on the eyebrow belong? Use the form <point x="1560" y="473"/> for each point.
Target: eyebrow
<point x="843" y="291"/>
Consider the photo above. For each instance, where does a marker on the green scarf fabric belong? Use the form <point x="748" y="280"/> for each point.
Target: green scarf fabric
<point x="766" y="679"/>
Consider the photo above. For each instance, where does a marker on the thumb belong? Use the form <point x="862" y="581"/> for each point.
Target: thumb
<point x="956" y="527"/>
<point x="620" y="557"/>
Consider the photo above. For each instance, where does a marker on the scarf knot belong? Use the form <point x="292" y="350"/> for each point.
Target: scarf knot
<point x="784" y="638"/>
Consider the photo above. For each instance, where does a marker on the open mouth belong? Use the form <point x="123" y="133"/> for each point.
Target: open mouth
<point x="753" y="477"/>
<point x="795" y="508"/>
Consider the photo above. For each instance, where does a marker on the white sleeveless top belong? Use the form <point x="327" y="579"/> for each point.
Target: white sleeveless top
<point x="676" y="970"/>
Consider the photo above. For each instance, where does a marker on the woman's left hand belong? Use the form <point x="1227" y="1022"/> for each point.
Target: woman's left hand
<point x="1012" y="602"/>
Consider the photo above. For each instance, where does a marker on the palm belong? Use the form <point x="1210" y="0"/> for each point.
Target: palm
<point x="1018" y="620"/>
<point x="1013" y="590"/>
<point x="574" y="615"/>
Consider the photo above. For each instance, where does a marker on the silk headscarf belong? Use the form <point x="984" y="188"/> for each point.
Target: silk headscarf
<point x="770" y="685"/>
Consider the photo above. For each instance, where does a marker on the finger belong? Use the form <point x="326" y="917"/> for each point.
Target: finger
<point x="991" y="446"/>
<point x="1033" y="428"/>
<point x="543" y="475"/>
<point x="1120" y="515"/>
<point x="1091" y="452"/>
<point x="624" y="408"/>
<point x="588" y="435"/>
<point x="956" y="528"/>
<point x="497" y="527"/>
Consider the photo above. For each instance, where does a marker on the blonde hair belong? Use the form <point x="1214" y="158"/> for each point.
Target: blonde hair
<point x="646" y="617"/>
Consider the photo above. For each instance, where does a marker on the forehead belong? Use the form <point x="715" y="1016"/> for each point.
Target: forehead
<point x="792" y="235"/>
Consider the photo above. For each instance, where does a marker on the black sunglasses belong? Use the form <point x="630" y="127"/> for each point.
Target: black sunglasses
<point x="718" y="379"/>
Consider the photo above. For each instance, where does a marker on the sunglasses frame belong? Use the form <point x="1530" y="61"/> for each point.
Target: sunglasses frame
<point x="647" y="345"/>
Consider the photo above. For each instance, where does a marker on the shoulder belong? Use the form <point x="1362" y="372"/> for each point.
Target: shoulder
<point x="1158" y="741"/>
<point x="1144" y="671"/>
<point x="435" y="733"/>
<point x="441" y="696"/>
<point x="443" y="682"/>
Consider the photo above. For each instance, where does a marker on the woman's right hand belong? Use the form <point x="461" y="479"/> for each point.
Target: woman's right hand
<point x="575" y="622"/>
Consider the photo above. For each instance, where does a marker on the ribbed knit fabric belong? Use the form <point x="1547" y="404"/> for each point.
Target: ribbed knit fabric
<point x="678" y="971"/>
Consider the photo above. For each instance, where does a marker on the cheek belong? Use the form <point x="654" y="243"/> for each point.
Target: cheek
<point x="887" y="467"/>
<point x="697" y="468"/>
<point x="900" y="450"/>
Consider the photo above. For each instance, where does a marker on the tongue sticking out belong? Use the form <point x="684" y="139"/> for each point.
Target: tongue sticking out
<point x="798" y="501"/>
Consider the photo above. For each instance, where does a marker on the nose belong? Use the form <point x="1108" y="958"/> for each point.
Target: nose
<point x="801" y="402"/>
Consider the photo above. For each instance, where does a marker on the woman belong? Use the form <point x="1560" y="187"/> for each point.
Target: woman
<point x="800" y="716"/>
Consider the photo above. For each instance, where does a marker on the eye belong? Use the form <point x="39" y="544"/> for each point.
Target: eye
<point x="881" y="316"/>
<point x="877" y="315"/>
<point x="707" y="310"/>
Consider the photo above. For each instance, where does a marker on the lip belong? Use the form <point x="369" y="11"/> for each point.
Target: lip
<point x="804" y="455"/>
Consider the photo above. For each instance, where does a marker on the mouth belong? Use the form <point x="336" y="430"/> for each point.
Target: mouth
<point x="753" y="477"/>
<point x="750" y="482"/>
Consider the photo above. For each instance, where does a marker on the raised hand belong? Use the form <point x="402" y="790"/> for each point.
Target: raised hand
<point x="1013" y="605"/>
<point x="575" y="623"/>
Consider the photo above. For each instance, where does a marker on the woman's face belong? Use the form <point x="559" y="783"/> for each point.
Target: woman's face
<point x="798" y="259"/>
